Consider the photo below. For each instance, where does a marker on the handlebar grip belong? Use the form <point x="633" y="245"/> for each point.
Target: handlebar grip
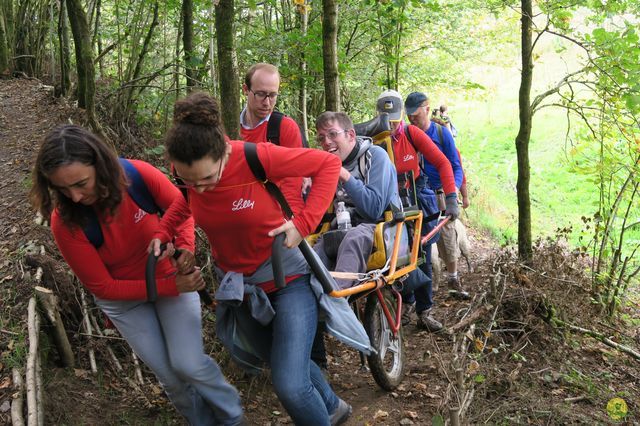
<point x="276" y="260"/>
<point x="318" y="270"/>
<point x="150" y="276"/>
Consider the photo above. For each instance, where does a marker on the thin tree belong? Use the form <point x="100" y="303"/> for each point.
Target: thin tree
<point x="84" y="62"/>
<point x="228" y="66"/>
<point x="330" y="55"/>
<point x="65" y="57"/>
<point x="187" y="43"/>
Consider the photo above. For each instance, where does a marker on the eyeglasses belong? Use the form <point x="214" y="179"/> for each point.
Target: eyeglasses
<point x="261" y="96"/>
<point x="202" y="183"/>
<point x="331" y="134"/>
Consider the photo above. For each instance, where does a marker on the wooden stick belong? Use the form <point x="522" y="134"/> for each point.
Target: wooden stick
<point x="599" y="336"/>
<point x="471" y="318"/>
<point x="112" y="354"/>
<point x="39" y="397"/>
<point x="87" y="327"/>
<point x="17" y="419"/>
<point x="136" y="365"/>
<point x="49" y="303"/>
<point x="454" y="416"/>
<point x="32" y="402"/>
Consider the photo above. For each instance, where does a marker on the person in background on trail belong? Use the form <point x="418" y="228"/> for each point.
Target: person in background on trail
<point x="409" y="142"/>
<point x="261" y="86"/>
<point x="417" y="107"/>
<point x="241" y="219"/>
<point x="76" y="173"/>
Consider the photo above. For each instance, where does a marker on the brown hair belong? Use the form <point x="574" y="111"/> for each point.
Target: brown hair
<point x="197" y="130"/>
<point x="259" y="66"/>
<point x="341" y="118"/>
<point x="68" y="144"/>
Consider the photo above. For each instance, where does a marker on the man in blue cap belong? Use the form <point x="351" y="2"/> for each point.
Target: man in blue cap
<point x="418" y="112"/>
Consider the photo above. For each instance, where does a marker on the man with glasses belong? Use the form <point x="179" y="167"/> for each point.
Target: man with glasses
<point x="261" y="85"/>
<point x="418" y="112"/>
<point x="367" y="185"/>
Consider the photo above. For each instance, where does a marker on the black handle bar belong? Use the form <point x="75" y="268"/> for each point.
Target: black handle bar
<point x="150" y="278"/>
<point x="276" y="260"/>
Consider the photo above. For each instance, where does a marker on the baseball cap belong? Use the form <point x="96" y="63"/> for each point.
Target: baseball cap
<point x="413" y="102"/>
<point x="390" y="102"/>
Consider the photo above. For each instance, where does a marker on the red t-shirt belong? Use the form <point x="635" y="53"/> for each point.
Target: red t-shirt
<point x="238" y="213"/>
<point x="116" y="270"/>
<point x="406" y="157"/>
<point x="289" y="137"/>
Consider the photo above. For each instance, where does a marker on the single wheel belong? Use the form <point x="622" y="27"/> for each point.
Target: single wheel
<point x="387" y="365"/>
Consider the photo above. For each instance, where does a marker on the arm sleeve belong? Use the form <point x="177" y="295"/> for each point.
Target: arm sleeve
<point x="85" y="262"/>
<point x="372" y="199"/>
<point x="322" y="167"/>
<point x="164" y="193"/>
<point x="451" y="152"/>
<point x="435" y="157"/>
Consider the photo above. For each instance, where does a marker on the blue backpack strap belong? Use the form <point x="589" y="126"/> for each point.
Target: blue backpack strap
<point x="138" y="192"/>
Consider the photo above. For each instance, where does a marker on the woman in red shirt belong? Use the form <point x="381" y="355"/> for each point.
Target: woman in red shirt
<point x="77" y="175"/>
<point x="241" y="219"/>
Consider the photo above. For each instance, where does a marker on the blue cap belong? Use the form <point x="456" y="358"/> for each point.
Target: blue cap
<point x="414" y="101"/>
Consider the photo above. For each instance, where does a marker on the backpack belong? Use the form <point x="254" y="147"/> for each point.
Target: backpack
<point x="273" y="129"/>
<point x="138" y="192"/>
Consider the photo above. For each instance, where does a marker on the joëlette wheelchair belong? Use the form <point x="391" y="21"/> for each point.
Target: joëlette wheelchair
<point x="376" y="297"/>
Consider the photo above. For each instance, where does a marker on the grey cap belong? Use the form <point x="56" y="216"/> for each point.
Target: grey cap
<point x="413" y="102"/>
<point x="390" y="102"/>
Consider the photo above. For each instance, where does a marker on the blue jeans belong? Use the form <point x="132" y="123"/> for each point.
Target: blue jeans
<point x="423" y="294"/>
<point x="167" y="336"/>
<point x="298" y="381"/>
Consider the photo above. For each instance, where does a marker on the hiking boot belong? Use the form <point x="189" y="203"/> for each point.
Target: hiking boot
<point x="456" y="290"/>
<point x="408" y="309"/>
<point x="429" y="323"/>
<point x="342" y="413"/>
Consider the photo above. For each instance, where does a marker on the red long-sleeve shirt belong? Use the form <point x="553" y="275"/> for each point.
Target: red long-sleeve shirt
<point x="238" y="213"/>
<point x="289" y="137"/>
<point x="406" y="157"/>
<point x="116" y="270"/>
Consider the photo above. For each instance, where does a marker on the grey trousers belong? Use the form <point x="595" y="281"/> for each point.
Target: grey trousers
<point x="353" y="253"/>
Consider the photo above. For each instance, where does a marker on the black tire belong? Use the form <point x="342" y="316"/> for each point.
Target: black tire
<point x="388" y="364"/>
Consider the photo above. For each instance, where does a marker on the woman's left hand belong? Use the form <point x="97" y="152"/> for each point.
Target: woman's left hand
<point x="293" y="237"/>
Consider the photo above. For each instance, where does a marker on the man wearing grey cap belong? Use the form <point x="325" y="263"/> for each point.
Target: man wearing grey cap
<point x="408" y="143"/>
<point x="418" y="113"/>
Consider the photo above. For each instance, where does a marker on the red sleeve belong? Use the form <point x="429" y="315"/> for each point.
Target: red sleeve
<point x="88" y="266"/>
<point x="322" y="167"/>
<point x="176" y="215"/>
<point x="164" y="192"/>
<point x="435" y="157"/>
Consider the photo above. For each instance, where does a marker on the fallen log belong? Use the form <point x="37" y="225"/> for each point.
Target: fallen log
<point x="17" y="419"/>
<point x="31" y="370"/>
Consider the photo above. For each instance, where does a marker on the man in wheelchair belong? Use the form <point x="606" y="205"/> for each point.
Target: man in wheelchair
<point x="367" y="186"/>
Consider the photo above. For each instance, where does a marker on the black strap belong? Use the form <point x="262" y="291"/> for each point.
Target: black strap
<point x="251" y="154"/>
<point x="439" y="128"/>
<point x="273" y="127"/>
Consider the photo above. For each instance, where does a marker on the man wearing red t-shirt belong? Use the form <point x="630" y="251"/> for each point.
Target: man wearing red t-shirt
<point x="261" y="84"/>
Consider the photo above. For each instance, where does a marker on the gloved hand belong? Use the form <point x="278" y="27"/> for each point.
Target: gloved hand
<point x="451" y="203"/>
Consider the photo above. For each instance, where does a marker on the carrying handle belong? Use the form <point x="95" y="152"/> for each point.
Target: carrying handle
<point x="277" y="248"/>
<point x="150" y="279"/>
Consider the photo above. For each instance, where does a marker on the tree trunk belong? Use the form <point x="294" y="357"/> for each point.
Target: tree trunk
<point x="187" y="43"/>
<point x="84" y="62"/>
<point x="525" y="251"/>
<point x="302" y="94"/>
<point x="65" y="56"/>
<point x="4" y="45"/>
<point x="228" y="67"/>
<point x="330" y="55"/>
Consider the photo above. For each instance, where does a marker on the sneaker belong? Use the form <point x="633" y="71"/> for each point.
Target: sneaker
<point x="429" y="323"/>
<point x="342" y="413"/>
<point x="408" y="309"/>
<point x="456" y="290"/>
